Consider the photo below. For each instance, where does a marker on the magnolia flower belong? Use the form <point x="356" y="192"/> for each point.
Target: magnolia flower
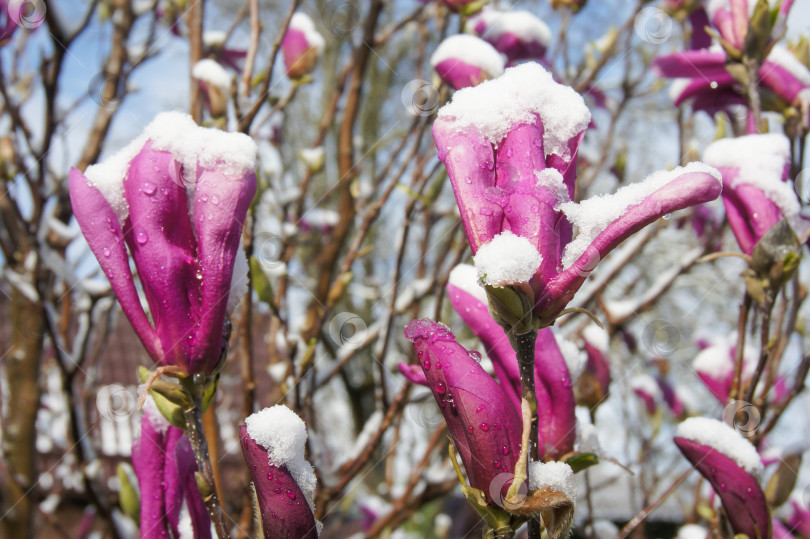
<point x="273" y="443"/>
<point x="215" y="84"/>
<point x="483" y="423"/>
<point x="9" y="19"/>
<point x="756" y="193"/>
<point x="175" y="198"/>
<point x="733" y="467"/>
<point x="553" y="377"/>
<point x="519" y="35"/>
<point x="214" y="42"/>
<point x="800" y="517"/>
<point x="302" y="46"/>
<point x="459" y="5"/>
<point x="164" y="464"/>
<point x="703" y="77"/>
<point x="510" y="148"/>
<point x="464" y="60"/>
<point x="591" y="388"/>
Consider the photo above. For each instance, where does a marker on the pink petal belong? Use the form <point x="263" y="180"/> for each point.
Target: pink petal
<point x="103" y="233"/>
<point x="741" y="495"/>
<point x="702" y="64"/>
<point x="459" y="74"/>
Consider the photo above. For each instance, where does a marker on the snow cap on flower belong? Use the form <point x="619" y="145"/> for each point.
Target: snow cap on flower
<point x="464" y="60"/>
<point x="756" y="194"/>
<point x="302" y="46"/>
<point x="518" y="34"/>
<point x="733" y="467"/>
<point x="273" y="442"/>
<point x="483" y="423"/>
<point x="175" y="200"/>
<point x="553" y="475"/>
<point x="215" y="83"/>
<point x="507" y="259"/>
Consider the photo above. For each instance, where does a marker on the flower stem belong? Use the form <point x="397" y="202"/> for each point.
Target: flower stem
<point x="524" y="349"/>
<point x="205" y="475"/>
<point x="504" y="532"/>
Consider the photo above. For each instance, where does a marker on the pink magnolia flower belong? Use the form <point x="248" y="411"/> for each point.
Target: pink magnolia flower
<point x="175" y="198"/>
<point x="800" y="518"/>
<point x="302" y="46"/>
<point x="592" y="387"/>
<point x="215" y="83"/>
<point x="756" y="193"/>
<point x="554" y="378"/>
<point x="510" y="148"/>
<point x="483" y="423"/>
<point x="464" y="60"/>
<point x="165" y="464"/>
<point x="519" y="35"/>
<point x="215" y="42"/>
<point x="733" y="467"/>
<point x="702" y="75"/>
<point x="9" y="20"/>
<point x="273" y="442"/>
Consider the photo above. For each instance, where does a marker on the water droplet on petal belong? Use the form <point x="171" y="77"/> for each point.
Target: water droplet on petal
<point x="427" y="364"/>
<point x="467" y="179"/>
<point x="149" y="188"/>
<point x="484" y="427"/>
<point x="277" y="490"/>
<point x="215" y="200"/>
<point x="475" y="355"/>
<point x="441" y="387"/>
<point x="141" y="237"/>
<point x="105" y="252"/>
<point x="269" y="476"/>
<point x="204" y="198"/>
<point x="486" y="211"/>
<point x="470" y="429"/>
<point x="291" y="494"/>
<point x="505" y="450"/>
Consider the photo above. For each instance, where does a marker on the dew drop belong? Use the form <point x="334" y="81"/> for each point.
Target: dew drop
<point x="475" y="355"/>
<point x="441" y="387"/>
<point x="667" y="217"/>
<point x="496" y="463"/>
<point x="277" y="490"/>
<point x="269" y="476"/>
<point x="191" y="339"/>
<point x="467" y="179"/>
<point x="505" y="450"/>
<point x="470" y="429"/>
<point x="204" y="198"/>
<point x="484" y="427"/>
<point x="419" y="354"/>
<point x="509" y="152"/>
<point x="291" y="494"/>
<point x="438" y="365"/>
<point x="215" y="200"/>
<point x="105" y="252"/>
<point x="149" y="188"/>
<point x="486" y="211"/>
<point x="141" y="237"/>
<point x="427" y="364"/>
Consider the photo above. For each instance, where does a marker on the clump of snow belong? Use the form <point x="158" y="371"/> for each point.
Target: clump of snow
<point x="522" y="24"/>
<point x="575" y="359"/>
<point x="724" y="439"/>
<point x="597" y="337"/>
<point x="465" y="277"/>
<point x="302" y="23"/>
<point x="692" y="531"/>
<point x="551" y="180"/>
<point x="214" y="38"/>
<point x="232" y="154"/>
<point x="553" y="475"/>
<point x="760" y="161"/>
<point x="592" y="216"/>
<point x="496" y="106"/>
<point x="150" y="410"/>
<point x="507" y="259"/>
<point x="283" y="434"/>
<point x="470" y="50"/>
<point x="211" y="72"/>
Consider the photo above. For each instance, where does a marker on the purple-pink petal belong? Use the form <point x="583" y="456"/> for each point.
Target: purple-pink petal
<point x="686" y="190"/>
<point x="459" y="74"/>
<point x="742" y="497"/>
<point x="162" y="244"/>
<point x="692" y="64"/>
<point x="103" y="233"/>
<point x="220" y="205"/>
<point x="483" y="423"/>
<point x="284" y="509"/>
<point x="413" y="373"/>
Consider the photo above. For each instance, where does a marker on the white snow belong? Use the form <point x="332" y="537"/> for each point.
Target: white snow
<point x="760" y="161"/>
<point x="551" y="180"/>
<point x="592" y="216"/>
<point x="575" y="359"/>
<point x="556" y="476"/>
<point x="597" y="337"/>
<point x="677" y="86"/>
<point x="471" y="50"/>
<point x="724" y="439"/>
<point x="214" y="38"/>
<point x="302" y="23"/>
<point x="465" y="277"/>
<point x="714" y="362"/>
<point x="211" y="72"/>
<point x="150" y="409"/>
<point x="279" y="430"/>
<point x="692" y="531"/>
<point x="522" y="24"/>
<point x="496" y="106"/>
<point x="782" y="57"/>
<point x="507" y="259"/>
<point x="232" y="154"/>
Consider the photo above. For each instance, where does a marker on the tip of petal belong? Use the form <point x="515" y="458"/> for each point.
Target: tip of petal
<point x="429" y="330"/>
